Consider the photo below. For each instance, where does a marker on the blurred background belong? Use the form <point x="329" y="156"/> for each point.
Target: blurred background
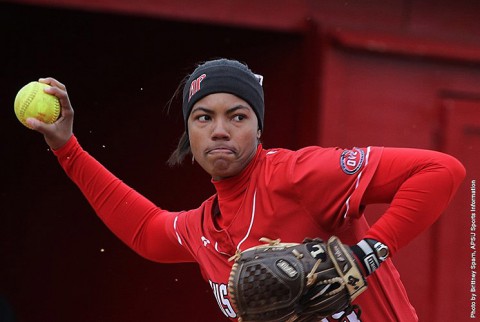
<point x="336" y="73"/>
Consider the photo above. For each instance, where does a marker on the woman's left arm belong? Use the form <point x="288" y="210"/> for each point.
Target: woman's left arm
<point x="418" y="185"/>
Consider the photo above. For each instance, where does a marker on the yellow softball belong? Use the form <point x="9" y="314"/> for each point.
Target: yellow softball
<point x="32" y="101"/>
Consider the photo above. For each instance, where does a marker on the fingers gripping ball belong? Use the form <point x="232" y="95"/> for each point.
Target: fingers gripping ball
<point x="32" y="101"/>
<point x="294" y="282"/>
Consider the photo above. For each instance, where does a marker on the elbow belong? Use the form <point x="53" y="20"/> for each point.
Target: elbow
<point x="453" y="173"/>
<point x="456" y="169"/>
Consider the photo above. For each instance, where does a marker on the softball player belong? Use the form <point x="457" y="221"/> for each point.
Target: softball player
<point x="273" y="193"/>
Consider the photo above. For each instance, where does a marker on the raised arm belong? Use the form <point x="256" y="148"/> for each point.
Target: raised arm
<point x="139" y="223"/>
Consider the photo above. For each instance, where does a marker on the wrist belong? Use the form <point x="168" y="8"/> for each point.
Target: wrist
<point x="370" y="254"/>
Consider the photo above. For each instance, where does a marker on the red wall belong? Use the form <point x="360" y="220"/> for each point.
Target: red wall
<point x="394" y="73"/>
<point x="372" y="99"/>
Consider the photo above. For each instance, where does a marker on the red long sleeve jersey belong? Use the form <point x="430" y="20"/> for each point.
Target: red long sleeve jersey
<point x="290" y="195"/>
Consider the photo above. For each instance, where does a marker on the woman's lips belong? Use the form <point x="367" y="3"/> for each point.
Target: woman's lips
<point x="220" y="150"/>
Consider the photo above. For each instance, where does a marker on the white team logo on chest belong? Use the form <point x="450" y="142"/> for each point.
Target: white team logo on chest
<point x="205" y="241"/>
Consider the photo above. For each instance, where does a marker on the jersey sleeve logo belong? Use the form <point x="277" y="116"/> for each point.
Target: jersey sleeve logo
<point x="352" y="160"/>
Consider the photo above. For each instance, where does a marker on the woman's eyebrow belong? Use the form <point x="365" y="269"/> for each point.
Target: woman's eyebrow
<point x="202" y="109"/>
<point x="236" y="108"/>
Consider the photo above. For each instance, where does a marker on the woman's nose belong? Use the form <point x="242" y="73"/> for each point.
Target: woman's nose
<point x="220" y="130"/>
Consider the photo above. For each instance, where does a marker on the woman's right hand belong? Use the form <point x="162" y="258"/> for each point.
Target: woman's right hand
<point x="58" y="133"/>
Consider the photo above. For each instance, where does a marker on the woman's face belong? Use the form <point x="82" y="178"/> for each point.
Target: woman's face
<point x="223" y="132"/>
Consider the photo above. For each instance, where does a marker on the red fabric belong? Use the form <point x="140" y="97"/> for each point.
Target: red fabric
<point x="130" y="216"/>
<point x="418" y="184"/>
<point x="313" y="192"/>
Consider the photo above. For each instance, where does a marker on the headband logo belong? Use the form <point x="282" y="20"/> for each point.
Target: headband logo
<point x="259" y="78"/>
<point x="195" y="86"/>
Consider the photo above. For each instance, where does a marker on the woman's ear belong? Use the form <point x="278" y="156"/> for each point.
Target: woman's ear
<point x="259" y="134"/>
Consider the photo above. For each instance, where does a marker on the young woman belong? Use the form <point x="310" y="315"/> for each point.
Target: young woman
<point x="273" y="193"/>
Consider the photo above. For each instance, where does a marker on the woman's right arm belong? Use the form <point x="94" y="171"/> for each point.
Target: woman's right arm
<point x="143" y="226"/>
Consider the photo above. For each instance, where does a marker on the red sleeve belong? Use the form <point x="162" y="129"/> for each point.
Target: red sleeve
<point x="418" y="185"/>
<point x="330" y="182"/>
<point x="140" y="224"/>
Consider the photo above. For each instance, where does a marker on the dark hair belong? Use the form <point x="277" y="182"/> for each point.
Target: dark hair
<point x="183" y="146"/>
<point x="182" y="150"/>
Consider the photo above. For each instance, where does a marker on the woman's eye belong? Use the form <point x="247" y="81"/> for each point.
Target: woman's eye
<point x="239" y="117"/>
<point x="203" y="118"/>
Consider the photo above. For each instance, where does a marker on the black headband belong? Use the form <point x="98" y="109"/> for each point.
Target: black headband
<point x="224" y="76"/>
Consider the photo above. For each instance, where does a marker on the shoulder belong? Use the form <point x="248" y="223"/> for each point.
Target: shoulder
<point x="348" y="160"/>
<point x="324" y="161"/>
<point x="194" y="214"/>
<point x="196" y="221"/>
<point x="188" y="225"/>
<point x="315" y="154"/>
<point x="283" y="165"/>
<point x="282" y="155"/>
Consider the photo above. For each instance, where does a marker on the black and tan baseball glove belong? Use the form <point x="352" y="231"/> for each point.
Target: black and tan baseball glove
<point x="294" y="282"/>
